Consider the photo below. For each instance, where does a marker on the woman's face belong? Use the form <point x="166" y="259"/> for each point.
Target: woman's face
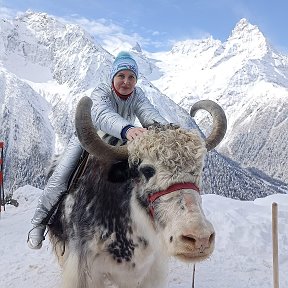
<point x="124" y="82"/>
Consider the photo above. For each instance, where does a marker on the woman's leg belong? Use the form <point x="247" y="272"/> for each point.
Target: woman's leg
<point x="55" y="188"/>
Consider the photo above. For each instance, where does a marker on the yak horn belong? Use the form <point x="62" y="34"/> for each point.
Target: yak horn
<point x="89" y="138"/>
<point x="219" y="121"/>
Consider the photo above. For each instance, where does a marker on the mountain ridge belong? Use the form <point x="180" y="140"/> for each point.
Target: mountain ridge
<point x="246" y="76"/>
<point x="57" y="67"/>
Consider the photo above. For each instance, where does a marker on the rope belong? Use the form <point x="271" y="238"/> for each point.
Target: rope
<point x="193" y="276"/>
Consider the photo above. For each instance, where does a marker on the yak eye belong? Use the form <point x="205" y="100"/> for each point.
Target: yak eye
<point x="147" y="171"/>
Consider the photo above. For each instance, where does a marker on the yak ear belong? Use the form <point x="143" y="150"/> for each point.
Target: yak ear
<point x="119" y="172"/>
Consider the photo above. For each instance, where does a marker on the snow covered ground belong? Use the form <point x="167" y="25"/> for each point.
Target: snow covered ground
<point x="242" y="258"/>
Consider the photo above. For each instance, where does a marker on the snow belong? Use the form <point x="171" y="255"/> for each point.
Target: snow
<point x="242" y="257"/>
<point x="30" y="71"/>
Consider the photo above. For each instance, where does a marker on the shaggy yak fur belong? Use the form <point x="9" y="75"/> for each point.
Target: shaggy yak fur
<point x="104" y="233"/>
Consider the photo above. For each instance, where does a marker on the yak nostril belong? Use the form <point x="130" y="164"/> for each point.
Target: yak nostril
<point x="188" y="239"/>
<point x="212" y="238"/>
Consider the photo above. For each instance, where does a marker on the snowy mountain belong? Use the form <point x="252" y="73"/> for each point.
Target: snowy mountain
<point x="249" y="79"/>
<point x="46" y="66"/>
<point x="26" y="131"/>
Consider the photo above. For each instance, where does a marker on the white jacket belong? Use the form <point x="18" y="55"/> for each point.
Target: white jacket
<point x="111" y="114"/>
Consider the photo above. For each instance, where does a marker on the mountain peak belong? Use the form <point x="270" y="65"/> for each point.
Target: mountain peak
<point x="137" y="48"/>
<point x="188" y="47"/>
<point x="247" y="37"/>
<point x="245" y="27"/>
<point x="243" y="23"/>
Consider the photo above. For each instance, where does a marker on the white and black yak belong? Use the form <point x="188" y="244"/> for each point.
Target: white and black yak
<point x="135" y="205"/>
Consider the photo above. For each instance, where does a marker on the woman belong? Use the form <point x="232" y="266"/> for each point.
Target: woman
<point x="115" y="108"/>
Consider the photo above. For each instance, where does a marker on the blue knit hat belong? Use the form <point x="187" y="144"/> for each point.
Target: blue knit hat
<point x="124" y="61"/>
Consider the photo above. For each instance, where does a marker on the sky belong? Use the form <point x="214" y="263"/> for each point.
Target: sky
<point x="242" y="256"/>
<point x="157" y="24"/>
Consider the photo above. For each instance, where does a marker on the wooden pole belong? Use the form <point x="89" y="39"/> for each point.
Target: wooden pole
<point x="275" y="245"/>
<point x="2" y="196"/>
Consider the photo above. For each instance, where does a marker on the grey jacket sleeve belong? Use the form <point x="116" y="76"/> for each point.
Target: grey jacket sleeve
<point x="145" y="111"/>
<point x="104" y="114"/>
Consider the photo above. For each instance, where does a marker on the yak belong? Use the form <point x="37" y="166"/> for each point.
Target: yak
<point x="135" y="205"/>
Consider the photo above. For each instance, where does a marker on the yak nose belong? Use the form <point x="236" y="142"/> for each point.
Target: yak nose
<point x="200" y="242"/>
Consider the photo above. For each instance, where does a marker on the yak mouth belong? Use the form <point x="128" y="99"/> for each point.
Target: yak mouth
<point x="191" y="257"/>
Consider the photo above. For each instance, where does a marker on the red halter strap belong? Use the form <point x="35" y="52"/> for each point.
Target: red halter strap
<point x="175" y="187"/>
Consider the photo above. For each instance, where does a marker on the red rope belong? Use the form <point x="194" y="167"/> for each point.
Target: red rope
<point x="175" y="187"/>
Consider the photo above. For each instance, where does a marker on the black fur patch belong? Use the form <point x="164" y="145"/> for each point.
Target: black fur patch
<point x="102" y="204"/>
<point x="122" y="249"/>
<point x="144" y="243"/>
<point x="148" y="171"/>
<point x="119" y="172"/>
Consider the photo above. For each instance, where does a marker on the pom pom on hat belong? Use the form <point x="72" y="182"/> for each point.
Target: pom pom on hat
<point x="124" y="61"/>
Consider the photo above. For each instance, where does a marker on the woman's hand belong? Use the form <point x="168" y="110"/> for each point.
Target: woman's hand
<point x="134" y="132"/>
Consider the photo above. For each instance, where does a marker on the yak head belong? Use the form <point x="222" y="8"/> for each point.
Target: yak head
<point x="164" y="166"/>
